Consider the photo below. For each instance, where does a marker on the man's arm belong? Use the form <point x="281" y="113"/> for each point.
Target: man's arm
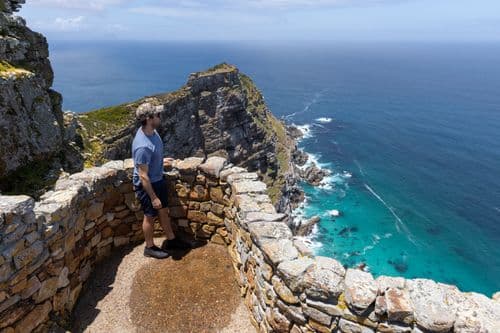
<point x="146" y="184"/>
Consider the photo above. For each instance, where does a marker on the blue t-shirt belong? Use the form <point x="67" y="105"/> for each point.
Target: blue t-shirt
<point x="147" y="150"/>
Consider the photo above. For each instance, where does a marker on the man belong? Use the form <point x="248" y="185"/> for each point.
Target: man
<point x="149" y="183"/>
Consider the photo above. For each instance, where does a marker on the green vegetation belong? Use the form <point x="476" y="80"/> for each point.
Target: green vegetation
<point x="2" y="6"/>
<point x="220" y="68"/>
<point x="33" y="179"/>
<point x="7" y="70"/>
<point x="275" y="131"/>
<point x="102" y="123"/>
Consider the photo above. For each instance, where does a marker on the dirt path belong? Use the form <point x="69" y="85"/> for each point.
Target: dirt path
<point x="192" y="292"/>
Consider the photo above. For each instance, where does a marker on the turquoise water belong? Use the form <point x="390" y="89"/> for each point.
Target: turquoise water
<point x="412" y="138"/>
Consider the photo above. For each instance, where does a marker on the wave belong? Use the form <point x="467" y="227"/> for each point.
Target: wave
<point x="306" y="131"/>
<point x="375" y="240"/>
<point x="400" y="226"/>
<point x="335" y="180"/>
<point x="324" y="120"/>
<point x="310" y="240"/>
<point x="359" y="167"/>
<point x="308" y="105"/>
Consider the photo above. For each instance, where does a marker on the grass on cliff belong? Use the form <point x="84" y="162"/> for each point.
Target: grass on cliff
<point x="7" y="70"/>
<point x="33" y="179"/>
<point x="275" y="130"/>
<point x="101" y="123"/>
<point x="220" y="68"/>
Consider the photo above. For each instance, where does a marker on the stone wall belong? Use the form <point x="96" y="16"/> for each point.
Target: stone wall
<point x="48" y="249"/>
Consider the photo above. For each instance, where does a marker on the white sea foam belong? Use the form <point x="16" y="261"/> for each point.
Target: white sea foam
<point x="375" y="240"/>
<point x="333" y="212"/>
<point x="314" y="159"/>
<point x="324" y="120"/>
<point x="400" y="226"/>
<point x="308" y="105"/>
<point x="306" y="131"/>
<point x="359" y="167"/>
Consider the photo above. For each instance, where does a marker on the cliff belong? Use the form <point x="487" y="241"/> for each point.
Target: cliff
<point x="218" y="112"/>
<point x="33" y="137"/>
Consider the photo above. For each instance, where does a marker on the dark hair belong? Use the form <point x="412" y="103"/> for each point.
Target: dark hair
<point x="144" y="121"/>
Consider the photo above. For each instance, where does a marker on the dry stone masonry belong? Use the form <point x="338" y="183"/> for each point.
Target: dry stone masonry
<point x="48" y="249"/>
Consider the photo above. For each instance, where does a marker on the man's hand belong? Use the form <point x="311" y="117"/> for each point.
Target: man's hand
<point x="156" y="203"/>
<point x="167" y="162"/>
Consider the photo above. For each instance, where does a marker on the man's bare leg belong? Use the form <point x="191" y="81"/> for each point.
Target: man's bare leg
<point x="163" y="215"/>
<point x="148" y="229"/>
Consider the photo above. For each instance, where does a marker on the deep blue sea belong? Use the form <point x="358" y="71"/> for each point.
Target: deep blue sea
<point x="411" y="133"/>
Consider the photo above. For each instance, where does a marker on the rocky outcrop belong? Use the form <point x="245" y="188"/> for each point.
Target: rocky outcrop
<point x="219" y="112"/>
<point x="49" y="248"/>
<point x="31" y="120"/>
<point x="305" y="227"/>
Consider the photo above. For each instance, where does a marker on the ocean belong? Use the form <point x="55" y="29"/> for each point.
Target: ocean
<point x="410" y="132"/>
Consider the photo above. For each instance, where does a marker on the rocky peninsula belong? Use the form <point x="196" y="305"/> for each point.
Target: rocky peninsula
<point x="234" y="183"/>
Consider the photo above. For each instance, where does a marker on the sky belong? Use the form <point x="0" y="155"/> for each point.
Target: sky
<point x="351" y="20"/>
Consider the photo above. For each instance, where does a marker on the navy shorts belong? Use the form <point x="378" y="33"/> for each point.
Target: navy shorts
<point x="160" y="188"/>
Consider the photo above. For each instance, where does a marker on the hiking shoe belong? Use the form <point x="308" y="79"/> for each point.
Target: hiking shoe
<point x="155" y="252"/>
<point x="176" y="243"/>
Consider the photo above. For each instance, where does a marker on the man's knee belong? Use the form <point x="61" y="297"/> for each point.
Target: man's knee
<point x="149" y="219"/>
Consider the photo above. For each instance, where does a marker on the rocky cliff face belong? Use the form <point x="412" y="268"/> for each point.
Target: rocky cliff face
<point x="31" y="121"/>
<point x="219" y="112"/>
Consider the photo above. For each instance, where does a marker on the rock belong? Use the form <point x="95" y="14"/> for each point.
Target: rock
<point x="47" y="289"/>
<point x="94" y="211"/>
<point x="9" y="302"/>
<point x="313" y="175"/>
<point x="262" y="216"/>
<point x="213" y="166"/>
<point x="496" y="296"/>
<point x="37" y="316"/>
<point x="241" y="176"/>
<point x="394" y="328"/>
<point x="229" y="171"/>
<point x="347" y="326"/>
<point x="247" y="186"/>
<point x="63" y="278"/>
<point x="433" y="304"/>
<point x="278" y="321"/>
<point x="477" y="313"/>
<point x="294" y="132"/>
<point x="263" y="231"/>
<point x="188" y="165"/>
<point x="28" y="255"/>
<point x="398" y="306"/>
<point x="360" y="290"/>
<point x="324" y="279"/>
<point x="278" y="250"/>
<point x="293" y="271"/>
<point x="386" y="282"/>
<point x="292" y="312"/>
<point x="214" y="219"/>
<point x="283" y="291"/>
<point x="306" y="227"/>
<point x="331" y="309"/>
<point x="28" y="104"/>
<point x="299" y="157"/>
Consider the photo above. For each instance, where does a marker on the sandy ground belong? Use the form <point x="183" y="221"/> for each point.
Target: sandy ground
<point x="189" y="292"/>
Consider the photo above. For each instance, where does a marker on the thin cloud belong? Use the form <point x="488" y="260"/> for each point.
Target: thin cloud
<point x="63" y="24"/>
<point x="92" y="5"/>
